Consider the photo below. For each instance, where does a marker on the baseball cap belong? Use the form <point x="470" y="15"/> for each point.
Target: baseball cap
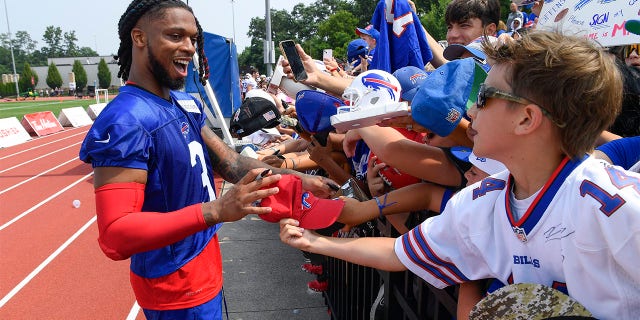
<point x="294" y="202"/>
<point x="395" y="177"/>
<point x="455" y="51"/>
<point x="410" y="79"/>
<point x="368" y="30"/>
<point x="527" y="300"/>
<point x="442" y="100"/>
<point x="633" y="26"/>
<point x="357" y="48"/>
<point x="254" y="114"/>
<point x="489" y="166"/>
<point x="314" y="110"/>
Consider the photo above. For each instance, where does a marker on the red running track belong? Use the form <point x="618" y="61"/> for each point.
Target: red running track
<point x="51" y="266"/>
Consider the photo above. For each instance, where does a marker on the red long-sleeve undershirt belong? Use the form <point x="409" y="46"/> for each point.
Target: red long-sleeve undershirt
<point x="124" y="230"/>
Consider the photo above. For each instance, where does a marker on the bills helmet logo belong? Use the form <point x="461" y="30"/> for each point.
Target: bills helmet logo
<point x="418" y="76"/>
<point x="376" y="81"/>
<point x="184" y="128"/>
<point x="305" y="203"/>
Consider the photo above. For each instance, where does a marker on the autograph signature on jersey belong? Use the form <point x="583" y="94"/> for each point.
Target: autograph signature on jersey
<point x="557" y="232"/>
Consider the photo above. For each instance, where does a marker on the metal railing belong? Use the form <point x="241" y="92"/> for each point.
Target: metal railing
<point x="357" y="292"/>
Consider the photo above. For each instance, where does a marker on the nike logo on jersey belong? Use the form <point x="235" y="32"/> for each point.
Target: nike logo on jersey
<point x="105" y="140"/>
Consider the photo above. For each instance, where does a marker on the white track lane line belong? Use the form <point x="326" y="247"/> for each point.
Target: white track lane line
<point x="133" y="313"/>
<point x="41" y="145"/>
<point x="37" y="175"/>
<point x="44" y="263"/>
<point x="40" y="157"/>
<point x="10" y="222"/>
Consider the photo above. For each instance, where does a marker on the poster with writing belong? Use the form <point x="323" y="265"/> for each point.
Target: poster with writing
<point x="600" y="20"/>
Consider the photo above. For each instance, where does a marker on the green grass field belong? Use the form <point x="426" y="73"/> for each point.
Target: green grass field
<point x="18" y="109"/>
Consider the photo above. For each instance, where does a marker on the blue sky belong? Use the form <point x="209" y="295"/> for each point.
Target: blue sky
<point x="95" y="22"/>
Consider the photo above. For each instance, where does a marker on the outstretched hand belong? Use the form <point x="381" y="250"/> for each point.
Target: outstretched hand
<point x="309" y="66"/>
<point x="237" y="202"/>
<point x="295" y="236"/>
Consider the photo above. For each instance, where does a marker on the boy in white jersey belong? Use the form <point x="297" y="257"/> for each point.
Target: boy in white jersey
<point x="556" y="217"/>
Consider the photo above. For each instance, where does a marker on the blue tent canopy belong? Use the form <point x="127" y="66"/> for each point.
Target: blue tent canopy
<point x="224" y="74"/>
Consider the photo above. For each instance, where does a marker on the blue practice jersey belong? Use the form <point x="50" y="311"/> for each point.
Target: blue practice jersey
<point x="140" y="130"/>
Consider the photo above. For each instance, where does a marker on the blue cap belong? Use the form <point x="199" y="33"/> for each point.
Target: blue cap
<point x="410" y="79"/>
<point x="443" y="98"/>
<point x="357" y="48"/>
<point x="314" y="110"/>
<point x="455" y="51"/>
<point x="370" y="31"/>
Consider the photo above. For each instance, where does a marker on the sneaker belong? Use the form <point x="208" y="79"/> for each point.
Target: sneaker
<point x="318" y="286"/>
<point x="312" y="268"/>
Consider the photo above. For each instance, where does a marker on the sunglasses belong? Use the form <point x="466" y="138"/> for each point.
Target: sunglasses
<point x="630" y="49"/>
<point x="485" y="92"/>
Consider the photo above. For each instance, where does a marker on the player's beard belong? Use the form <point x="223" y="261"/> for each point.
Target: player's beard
<point x="161" y="74"/>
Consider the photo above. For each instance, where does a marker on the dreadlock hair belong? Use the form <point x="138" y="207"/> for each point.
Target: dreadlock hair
<point x="154" y="8"/>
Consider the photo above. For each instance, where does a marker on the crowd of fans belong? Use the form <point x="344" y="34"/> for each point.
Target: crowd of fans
<point x="408" y="167"/>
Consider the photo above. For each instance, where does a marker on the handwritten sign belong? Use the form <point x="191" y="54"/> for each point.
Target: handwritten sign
<point x="600" y="20"/>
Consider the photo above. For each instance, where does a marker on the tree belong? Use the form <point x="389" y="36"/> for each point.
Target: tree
<point x="70" y="48"/>
<point x="335" y="32"/>
<point x="104" y="75"/>
<point x="86" y="52"/>
<point x="23" y="43"/>
<point x="54" y="79"/>
<point x="80" y="74"/>
<point x="28" y="78"/>
<point x="53" y="38"/>
<point x="433" y="20"/>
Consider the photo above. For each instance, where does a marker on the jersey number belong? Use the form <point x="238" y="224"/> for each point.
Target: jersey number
<point x="610" y="203"/>
<point x="197" y="154"/>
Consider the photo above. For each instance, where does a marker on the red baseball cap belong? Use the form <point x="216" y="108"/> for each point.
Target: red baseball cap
<point x="294" y="202"/>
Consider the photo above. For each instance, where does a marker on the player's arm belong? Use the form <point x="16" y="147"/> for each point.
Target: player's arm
<point x="373" y="252"/>
<point x="232" y="166"/>
<point x="124" y="229"/>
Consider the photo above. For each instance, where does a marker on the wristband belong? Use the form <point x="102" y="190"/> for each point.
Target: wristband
<point x="383" y="205"/>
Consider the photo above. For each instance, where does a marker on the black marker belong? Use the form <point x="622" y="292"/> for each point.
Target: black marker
<point x="263" y="174"/>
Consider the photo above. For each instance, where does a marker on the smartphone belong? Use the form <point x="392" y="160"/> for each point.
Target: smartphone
<point x="288" y="48"/>
<point x="327" y="54"/>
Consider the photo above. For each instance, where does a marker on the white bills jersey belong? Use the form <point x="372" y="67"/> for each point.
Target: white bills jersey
<point x="581" y="235"/>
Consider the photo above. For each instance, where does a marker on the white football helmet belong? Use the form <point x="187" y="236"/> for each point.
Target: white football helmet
<point x="371" y="88"/>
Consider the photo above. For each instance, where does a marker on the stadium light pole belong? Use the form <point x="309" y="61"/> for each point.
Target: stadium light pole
<point x="13" y="60"/>
<point x="233" y="20"/>
<point x="269" y="46"/>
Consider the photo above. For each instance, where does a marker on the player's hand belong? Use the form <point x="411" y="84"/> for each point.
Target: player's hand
<point x="309" y="66"/>
<point x="321" y="187"/>
<point x="238" y="201"/>
<point x="374" y="180"/>
<point x="295" y="236"/>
